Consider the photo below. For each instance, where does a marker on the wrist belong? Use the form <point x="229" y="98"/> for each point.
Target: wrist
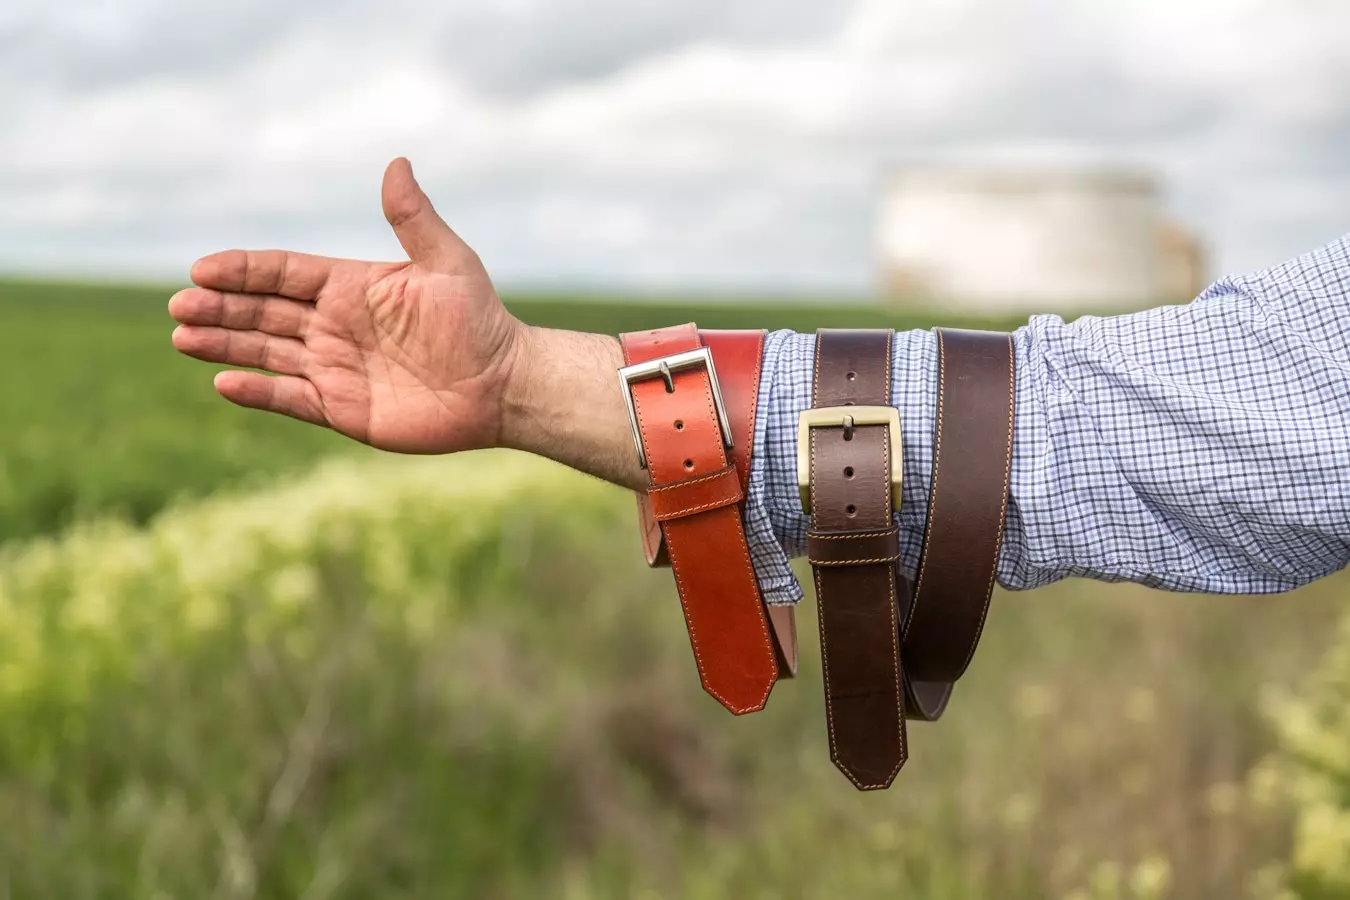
<point x="561" y="400"/>
<point x="516" y="391"/>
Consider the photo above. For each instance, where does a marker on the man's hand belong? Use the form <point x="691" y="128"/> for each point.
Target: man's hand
<point x="415" y="357"/>
<point x="412" y="356"/>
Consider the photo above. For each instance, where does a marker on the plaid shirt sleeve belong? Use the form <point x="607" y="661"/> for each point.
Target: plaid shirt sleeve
<point x="1202" y="447"/>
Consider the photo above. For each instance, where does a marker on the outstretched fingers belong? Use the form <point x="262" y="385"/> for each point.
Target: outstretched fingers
<point x="298" y="276"/>
<point x="251" y="349"/>
<point x="241" y="312"/>
<point x="284" y="394"/>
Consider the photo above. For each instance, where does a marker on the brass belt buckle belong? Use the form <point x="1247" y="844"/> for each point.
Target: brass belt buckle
<point x="663" y="368"/>
<point x="846" y="417"/>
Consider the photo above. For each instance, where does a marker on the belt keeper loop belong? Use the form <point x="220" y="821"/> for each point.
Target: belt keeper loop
<point x="700" y="493"/>
<point x="862" y="548"/>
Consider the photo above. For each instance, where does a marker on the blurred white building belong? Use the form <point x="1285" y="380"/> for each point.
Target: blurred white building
<point x="1068" y="239"/>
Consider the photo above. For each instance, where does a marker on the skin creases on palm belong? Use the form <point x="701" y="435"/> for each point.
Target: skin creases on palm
<point x="410" y="357"/>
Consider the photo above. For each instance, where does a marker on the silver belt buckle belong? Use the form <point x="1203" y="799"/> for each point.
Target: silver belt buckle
<point x="664" y="368"/>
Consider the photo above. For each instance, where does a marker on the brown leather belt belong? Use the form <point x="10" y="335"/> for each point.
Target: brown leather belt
<point x="697" y="457"/>
<point x="967" y="502"/>
<point x="851" y="442"/>
<point x="849" y="465"/>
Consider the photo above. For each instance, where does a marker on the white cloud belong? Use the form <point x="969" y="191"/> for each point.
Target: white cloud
<point x="660" y="144"/>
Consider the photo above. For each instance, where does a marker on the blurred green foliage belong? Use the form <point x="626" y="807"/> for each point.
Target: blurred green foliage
<point x="454" y="678"/>
<point x="394" y="677"/>
<point x="1309" y="777"/>
<point x="99" y="416"/>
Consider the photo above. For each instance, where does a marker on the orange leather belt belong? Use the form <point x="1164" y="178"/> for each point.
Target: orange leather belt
<point x="693" y="432"/>
<point x="849" y="468"/>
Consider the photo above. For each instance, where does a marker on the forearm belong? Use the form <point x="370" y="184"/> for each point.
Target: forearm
<point x="562" y="401"/>
<point x="1201" y="447"/>
<point x="1194" y="448"/>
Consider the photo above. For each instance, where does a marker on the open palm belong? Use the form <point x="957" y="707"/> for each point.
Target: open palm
<point x="408" y="356"/>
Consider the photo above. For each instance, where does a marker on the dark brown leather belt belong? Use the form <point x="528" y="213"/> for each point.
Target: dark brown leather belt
<point x="851" y="442"/>
<point x="967" y="502"/>
<point x="849" y="465"/>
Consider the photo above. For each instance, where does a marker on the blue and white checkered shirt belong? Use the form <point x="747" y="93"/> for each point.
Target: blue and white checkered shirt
<point x="1203" y="447"/>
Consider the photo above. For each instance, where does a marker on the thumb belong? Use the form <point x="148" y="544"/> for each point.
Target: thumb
<point x="424" y="235"/>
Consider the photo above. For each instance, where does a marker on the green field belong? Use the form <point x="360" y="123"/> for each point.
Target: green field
<point x="101" y="417"/>
<point x="240" y="657"/>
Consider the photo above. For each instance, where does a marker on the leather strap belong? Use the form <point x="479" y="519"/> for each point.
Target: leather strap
<point x="853" y="547"/>
<point x="968" y="499"/>
<point x="695" y="494"/>
<point x="737" y="355"/>
<point x="944" y="616"/>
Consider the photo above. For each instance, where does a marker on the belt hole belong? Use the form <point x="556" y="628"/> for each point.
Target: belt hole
<point x="850" y="510"/>
<point x="679" y="425"/>
<point x="851" y="376"/>
<point x="688" y="463"/>
<point x="848" y="471"/>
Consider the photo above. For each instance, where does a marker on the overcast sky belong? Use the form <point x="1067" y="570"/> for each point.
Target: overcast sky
<point x="688" y="143"/>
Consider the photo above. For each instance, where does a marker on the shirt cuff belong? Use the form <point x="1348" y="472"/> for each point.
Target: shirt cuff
<point x="774" y="524"/>
<point x="767" y="555"/>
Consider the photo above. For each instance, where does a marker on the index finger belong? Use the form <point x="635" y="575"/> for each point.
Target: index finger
<point x="298" y="276"/>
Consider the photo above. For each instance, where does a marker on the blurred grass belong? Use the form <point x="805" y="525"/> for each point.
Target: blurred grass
<point x="361" y="691"/>
<point x="343" y="686"/>
<point x="99" y="416"/>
